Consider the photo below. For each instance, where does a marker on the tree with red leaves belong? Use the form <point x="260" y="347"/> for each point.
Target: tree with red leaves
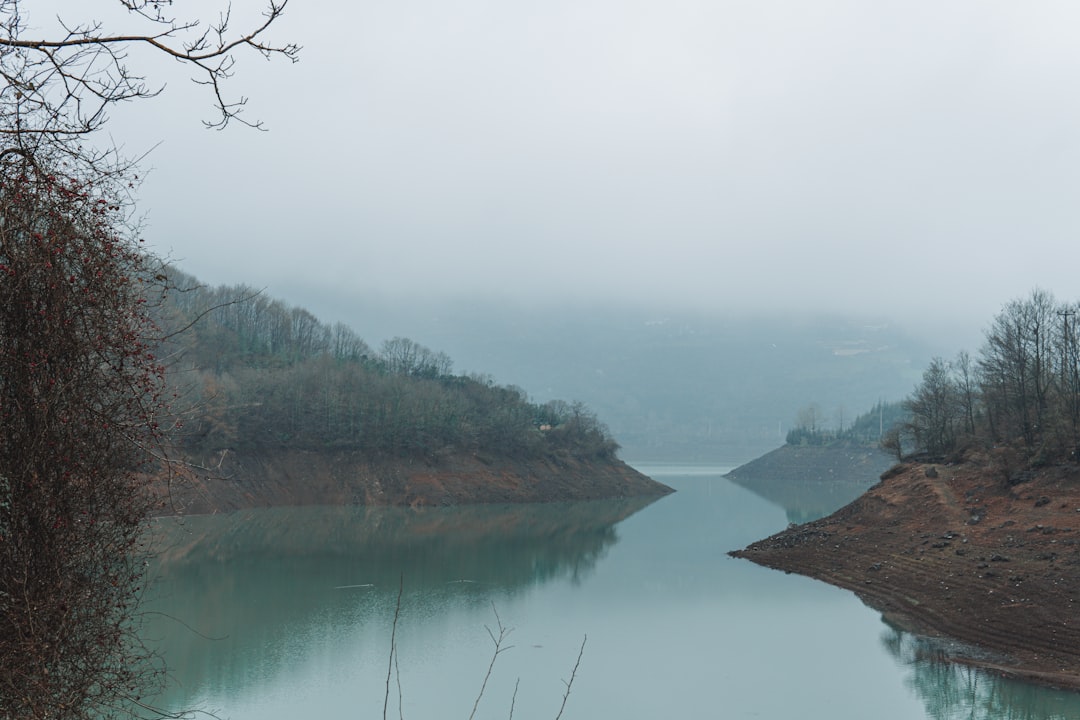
<point x="80" y="399"/>
<point x="81" y="390"/>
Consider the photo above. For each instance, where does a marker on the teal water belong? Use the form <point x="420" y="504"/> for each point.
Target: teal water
<point x="289" y="614"/>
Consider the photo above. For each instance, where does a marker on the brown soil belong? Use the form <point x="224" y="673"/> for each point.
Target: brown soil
<point x="956" y="552"/>
<point x="232" y="481"/>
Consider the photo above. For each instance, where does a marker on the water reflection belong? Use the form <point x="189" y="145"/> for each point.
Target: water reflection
<point x="258" y="588"/>
<point x="812" y="482"/>
<point x="948" y="691"/>
<point x="519" y="544"/>
<point x="952" y="692"/>
<point x="806" y="500"/>
<point x="300" y="603"/>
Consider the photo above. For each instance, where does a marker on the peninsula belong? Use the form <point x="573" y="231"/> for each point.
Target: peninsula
<point x="955" y="552"/>
<point x="290" y="477"/>
<point x="976" y="538"/>
<point x="274" y="407"/>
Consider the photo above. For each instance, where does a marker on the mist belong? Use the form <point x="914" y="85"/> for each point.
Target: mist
<point x="903" y="159"/>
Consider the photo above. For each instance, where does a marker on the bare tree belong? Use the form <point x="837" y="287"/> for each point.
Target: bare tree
<point x="1069" y="370"/>
<point x="809" y="417"/>
<point x="967" y="386"/>
<point x="81" y="396"/>
<point x="1017" y="368"/>
<point x="1021" y="394"/>
<point x="892" y="443"/>
<point x="80" y="400"/>
<point x="62" y="86"/>
<point x="936" y="409"/>
<point x="406" y="357"/>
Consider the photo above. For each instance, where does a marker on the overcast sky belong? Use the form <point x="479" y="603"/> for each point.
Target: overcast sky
<point x="912" y="157"/>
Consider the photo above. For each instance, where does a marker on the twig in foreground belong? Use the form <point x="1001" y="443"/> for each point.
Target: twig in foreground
<point x="503" y="632"/>
<point x="573" y="674"/>
<point x="513" y="699"/>
<point x="393" y="649"/>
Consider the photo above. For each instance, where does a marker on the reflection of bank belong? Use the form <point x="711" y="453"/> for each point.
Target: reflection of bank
<point x="498" y="546"/>
<point x="253" y="578"/>
<point x="949" y="690"/>
<point x="812" y="482"/>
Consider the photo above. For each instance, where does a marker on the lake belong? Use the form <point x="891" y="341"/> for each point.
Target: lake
<point x="289" y="614"/>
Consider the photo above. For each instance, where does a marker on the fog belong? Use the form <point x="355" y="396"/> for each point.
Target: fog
<point x="914" y="159"/>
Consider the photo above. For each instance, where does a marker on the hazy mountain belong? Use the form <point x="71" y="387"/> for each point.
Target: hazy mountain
<point x="670" y="385"/>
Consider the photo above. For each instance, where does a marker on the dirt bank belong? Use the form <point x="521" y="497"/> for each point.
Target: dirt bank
<point x="232" y="481"/>
<point x="958" y="553"/>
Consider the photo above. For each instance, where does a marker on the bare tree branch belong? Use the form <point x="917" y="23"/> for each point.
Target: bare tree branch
<point x="61" y="87"/>
<point x="573" y="674"/>
<point x="499" y="649"/>
<point x="393" y="646"/>
<point x="83" y="394"/>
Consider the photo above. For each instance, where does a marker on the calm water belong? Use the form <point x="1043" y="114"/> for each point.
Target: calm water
<point x="288" y="614"/>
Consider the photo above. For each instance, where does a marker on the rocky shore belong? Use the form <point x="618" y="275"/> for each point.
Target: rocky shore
<point x="988" y="563"/>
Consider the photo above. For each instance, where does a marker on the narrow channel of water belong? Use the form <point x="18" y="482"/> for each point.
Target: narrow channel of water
<point x="289" y="614"/>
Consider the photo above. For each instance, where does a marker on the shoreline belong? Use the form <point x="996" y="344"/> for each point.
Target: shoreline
<point x="985" y="569"/>
<point x="285" y="478"/>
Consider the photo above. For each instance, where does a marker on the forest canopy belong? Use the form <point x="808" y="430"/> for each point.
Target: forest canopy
<point x="261" y="374"/>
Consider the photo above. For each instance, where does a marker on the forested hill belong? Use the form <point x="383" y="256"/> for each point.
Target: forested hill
<point x="253" y="375"/>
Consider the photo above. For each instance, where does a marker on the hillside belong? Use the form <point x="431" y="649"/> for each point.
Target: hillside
<point x="975" y="540"/>
<point x="290" y="477"/>
<point x="672" y="384"/>
<point x="273" y="407"/>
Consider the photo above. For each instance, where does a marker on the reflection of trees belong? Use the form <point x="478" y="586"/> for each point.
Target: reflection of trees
<point x="256" y="576"/>
<point x="506" y="545"/>
<point x="954" y="692"/>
